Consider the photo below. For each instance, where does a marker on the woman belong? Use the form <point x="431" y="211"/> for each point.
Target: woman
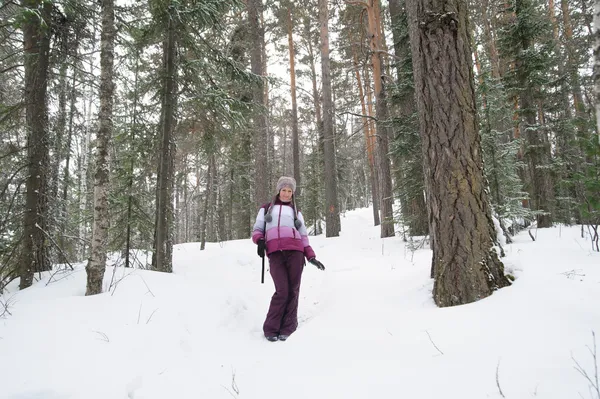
<point x="280" y="231"/>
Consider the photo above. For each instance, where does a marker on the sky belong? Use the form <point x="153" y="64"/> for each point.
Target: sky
<point x="368" y="327"/>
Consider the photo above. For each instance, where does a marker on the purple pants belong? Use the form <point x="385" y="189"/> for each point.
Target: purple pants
<point x="286" y="269"/>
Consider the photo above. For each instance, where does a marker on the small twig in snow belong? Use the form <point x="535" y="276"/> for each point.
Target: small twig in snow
<point x="572" y="273"/>
<point x="151" y="314"/>
<point x="58" y="270"/>
<point x="433" y="343"/>
<point x="139" y="313"/>
<point x="104" y="336"/>
<point x="149" y="290"/>
<point x="498" y="379"/>
<point x="233" y="383"/>
<point x="4" y="307"/>
<point x="592" y="379"/>
<point x="233" y="386"/>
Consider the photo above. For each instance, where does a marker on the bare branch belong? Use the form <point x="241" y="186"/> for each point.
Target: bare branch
<point x="359" y="115"/>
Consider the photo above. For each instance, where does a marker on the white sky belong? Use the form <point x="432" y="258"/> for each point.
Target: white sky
<point x="368" y="327"/>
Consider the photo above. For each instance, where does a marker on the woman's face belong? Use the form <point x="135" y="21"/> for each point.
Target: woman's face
<point x="285" y="194"/>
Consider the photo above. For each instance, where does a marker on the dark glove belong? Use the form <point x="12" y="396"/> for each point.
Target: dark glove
<point x="260" y="250"/>
<point x="318" y="264"/>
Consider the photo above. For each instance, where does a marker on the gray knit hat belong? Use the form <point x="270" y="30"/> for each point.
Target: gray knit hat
<point x="285" y="181"/>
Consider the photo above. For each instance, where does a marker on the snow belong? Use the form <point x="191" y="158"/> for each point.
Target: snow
<point x="368" y="327"/>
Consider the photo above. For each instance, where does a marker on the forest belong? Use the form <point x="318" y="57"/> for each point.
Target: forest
<point x="141" y="125"/>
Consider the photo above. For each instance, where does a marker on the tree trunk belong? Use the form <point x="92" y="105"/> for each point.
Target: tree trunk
<point x="295" y="141"/>
<point x="97" y="262"/>
<point x="207" y="196"/>
<point x="84" y="181"/>
<point x="489" y="39"/>
<point x="59" y="149"/>
<point x="131" y="162"/>
<point x="410" y="165"/>
<point x="537" y="151"/>
<point x="65" y="243"/>
<point x="313" y="74"/>
<point x="572" y="65"/>
<point x="261" y="177"/>
<point x="597" y="63"/>
<point x="332" y="213"/>
<point x="385" y="176"/>
<point x="465" y="264"/>
<point x="373" y="143"/>
<point x="162" y="259"/>
<point x="368" y="138"/>
<point x="212" y="205"/>
<point x="36" y="45"/>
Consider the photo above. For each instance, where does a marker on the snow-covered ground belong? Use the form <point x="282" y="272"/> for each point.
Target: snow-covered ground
<point x="368" y="327"/>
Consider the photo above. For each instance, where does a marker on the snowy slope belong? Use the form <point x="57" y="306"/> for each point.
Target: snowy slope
<point x="368" y="327"/>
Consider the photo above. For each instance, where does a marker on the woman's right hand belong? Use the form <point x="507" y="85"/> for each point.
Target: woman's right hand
<point x="260" y="250"/>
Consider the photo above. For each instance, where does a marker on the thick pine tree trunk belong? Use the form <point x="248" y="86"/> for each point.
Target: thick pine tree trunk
<point x="261" y="183"/>
<point x="162" y="259"/>
<point x="332" y="212"/>
<point x="36" y="46"/>
<point x="465" y="264"/>
<point x="97" y="262"/>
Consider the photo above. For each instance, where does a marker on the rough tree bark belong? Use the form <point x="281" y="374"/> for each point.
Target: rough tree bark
<point x="36" y="45"/>
<point x="162" y="258"/>
<point x="465" y="264"/>
<point x="97" y="262"/>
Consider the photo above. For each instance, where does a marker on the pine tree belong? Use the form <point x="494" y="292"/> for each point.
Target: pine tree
<point x="465" y="265"/>
<point x="36" y="26"/>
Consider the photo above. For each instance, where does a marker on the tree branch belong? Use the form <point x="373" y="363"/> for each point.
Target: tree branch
<point x="360" y="115"/>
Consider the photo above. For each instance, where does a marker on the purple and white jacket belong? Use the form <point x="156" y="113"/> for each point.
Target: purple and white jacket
<point x="281" y="234"/>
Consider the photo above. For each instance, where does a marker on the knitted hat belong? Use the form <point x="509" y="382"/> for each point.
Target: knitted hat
<point x="285" y="181"/>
